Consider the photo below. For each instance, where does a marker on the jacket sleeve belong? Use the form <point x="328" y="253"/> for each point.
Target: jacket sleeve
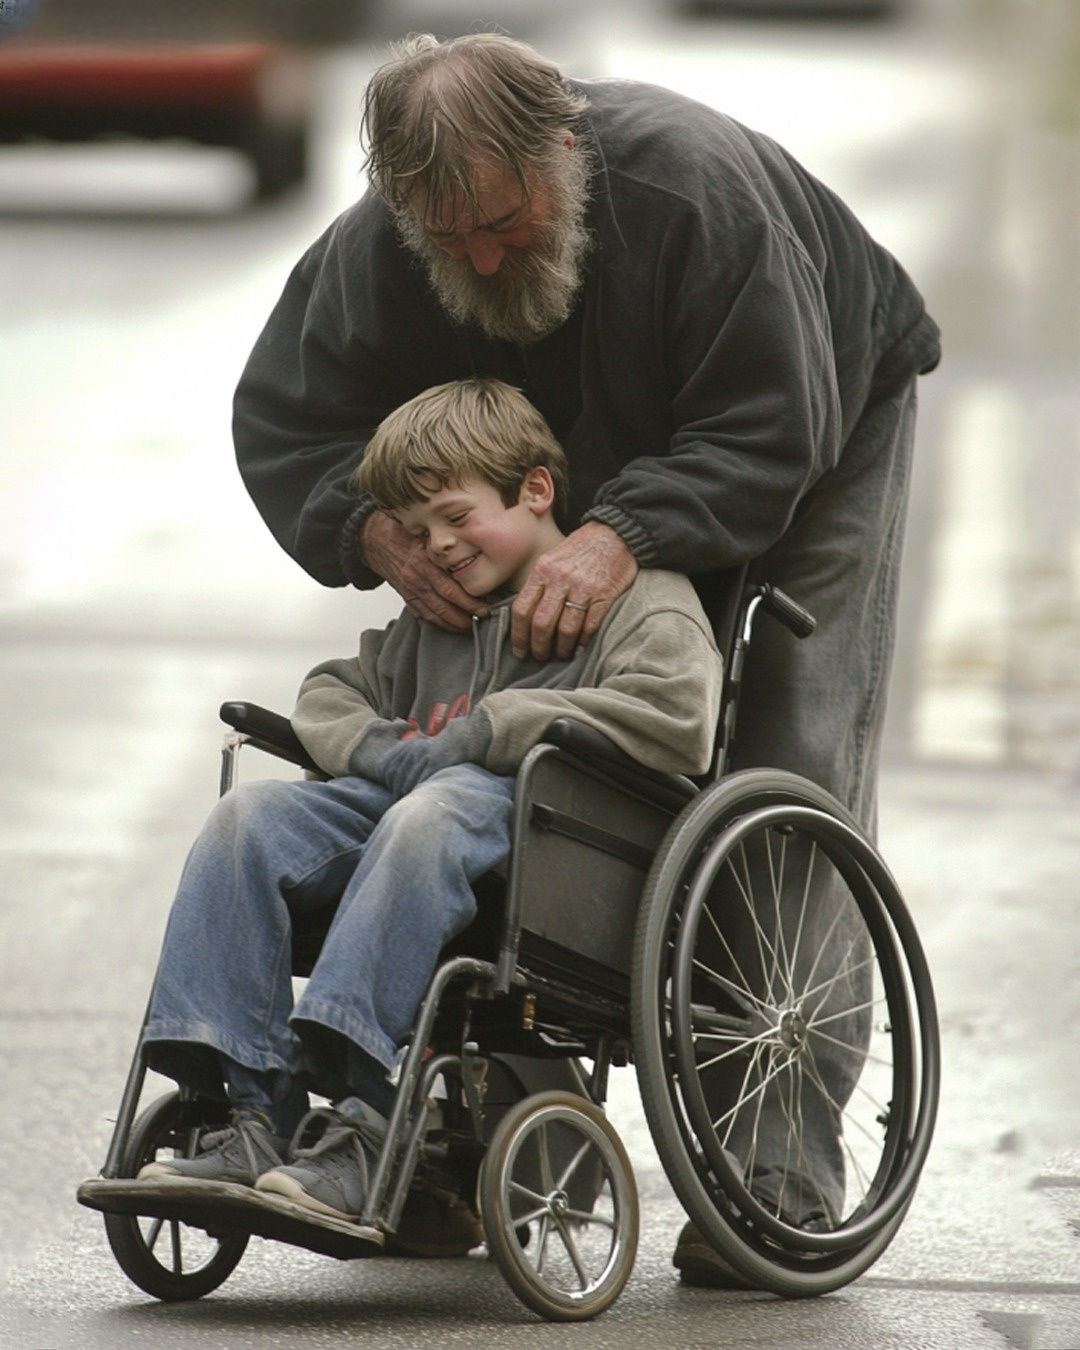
<point x="753" y="397"/>
<point x="334" y="711"/>
<point x="344" y="703"/>
<point x="352" y="336"/>
<point x="656" y="694"/>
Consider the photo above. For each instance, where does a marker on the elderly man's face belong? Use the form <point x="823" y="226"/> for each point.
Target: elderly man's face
<point x="506" y="222"/>
<point x="513" y="264"/>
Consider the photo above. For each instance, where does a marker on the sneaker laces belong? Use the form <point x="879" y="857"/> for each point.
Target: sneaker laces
<point x="339" y="1131"/>
<point x="238" y="1133"/>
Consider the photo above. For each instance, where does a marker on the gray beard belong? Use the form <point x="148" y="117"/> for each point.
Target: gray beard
<point x="521" y="306"/>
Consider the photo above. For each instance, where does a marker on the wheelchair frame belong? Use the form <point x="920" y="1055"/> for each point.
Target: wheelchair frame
<point x="612" y="946"/>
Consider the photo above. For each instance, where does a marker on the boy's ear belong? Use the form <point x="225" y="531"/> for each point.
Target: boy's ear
<point x="538" y="490"/>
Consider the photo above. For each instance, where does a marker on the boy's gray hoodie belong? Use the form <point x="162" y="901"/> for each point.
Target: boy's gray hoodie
<point x="650" y="679"/>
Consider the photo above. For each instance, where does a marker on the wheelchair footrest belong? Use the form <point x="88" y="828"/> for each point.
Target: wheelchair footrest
<point x="220" y="1208"/>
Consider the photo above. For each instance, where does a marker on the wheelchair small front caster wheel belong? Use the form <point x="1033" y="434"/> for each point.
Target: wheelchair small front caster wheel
<point x="556" y="1171"/>
<point x="167" y="1259"/>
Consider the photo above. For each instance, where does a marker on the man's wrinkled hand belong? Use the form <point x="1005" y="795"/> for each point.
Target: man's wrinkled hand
<point x="569" y="592"/>
<point x="429" y="592"/>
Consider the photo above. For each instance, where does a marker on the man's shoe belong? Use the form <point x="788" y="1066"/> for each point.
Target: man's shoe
<point x="330" y="1175"/>
<point x="434" y="1226"/>
<point x="239" y="1154"/>
<point x="701" y="1265"/>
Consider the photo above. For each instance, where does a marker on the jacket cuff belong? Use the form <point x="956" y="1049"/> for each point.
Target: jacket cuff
<point x="380" y="739"/>
<point x="465" y="740"/>
<point x="634" y="536"/>
<point x="352" y="563"/>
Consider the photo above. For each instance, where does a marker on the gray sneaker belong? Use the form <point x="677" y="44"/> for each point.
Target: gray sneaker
<point x="239" y="1154"/>
<point x="330" y="1176"/>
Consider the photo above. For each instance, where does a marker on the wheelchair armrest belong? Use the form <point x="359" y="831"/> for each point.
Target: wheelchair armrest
<point x="593" y="747"/>
<point x="268" y="731"/>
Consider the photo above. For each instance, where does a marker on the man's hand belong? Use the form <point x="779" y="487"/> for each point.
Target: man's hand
<point x="428" y="591"/>
<point x="569" y="591"/>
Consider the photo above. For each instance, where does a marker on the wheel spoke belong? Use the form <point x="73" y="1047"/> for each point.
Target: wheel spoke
<point x="543" y="1148"/>
<point x="824" y="945"/>
<point x="849" y="1047"/>
<point x="572" y="1166"/>
<point x="793" y="1115"/>
<point x="565" y="1232"/>
<point x="804" y="908"/>
<point x="781" y="967"/>
<point x="590" y="1218"/>
<point x="153" y="1233"/>
<point x="539" y="1203"/>
<point x="740" y="992"/>
<point x="746" y="1043"/>
<point x="745" y="883"/>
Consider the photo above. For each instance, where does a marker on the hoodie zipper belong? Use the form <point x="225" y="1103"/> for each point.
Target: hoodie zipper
<point x="488" y="647"/>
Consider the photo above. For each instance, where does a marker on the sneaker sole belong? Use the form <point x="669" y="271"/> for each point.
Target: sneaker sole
<point x="281" y="1184"/>
<point x="161" y="1172"/>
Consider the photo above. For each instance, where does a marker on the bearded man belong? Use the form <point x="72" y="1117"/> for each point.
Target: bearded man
<point x="728" y="358"/>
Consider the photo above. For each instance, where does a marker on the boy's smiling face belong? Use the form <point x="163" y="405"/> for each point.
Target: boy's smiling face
<point x="483" y="544"/>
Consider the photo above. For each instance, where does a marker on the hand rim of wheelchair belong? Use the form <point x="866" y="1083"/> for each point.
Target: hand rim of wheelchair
<point x="853" y="1231"/>
<point x="761" y="1245"/>
<point x="519" y="1260"/>
<point x="135" y="1254"/>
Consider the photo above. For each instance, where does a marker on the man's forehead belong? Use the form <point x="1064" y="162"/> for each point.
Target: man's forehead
<point x="497" y="194"/>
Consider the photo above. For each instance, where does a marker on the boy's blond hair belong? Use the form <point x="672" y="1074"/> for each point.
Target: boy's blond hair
<point x="468" y="430"/>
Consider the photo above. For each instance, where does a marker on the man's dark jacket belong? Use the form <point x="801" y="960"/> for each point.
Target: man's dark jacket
<point x="736" y="324"/>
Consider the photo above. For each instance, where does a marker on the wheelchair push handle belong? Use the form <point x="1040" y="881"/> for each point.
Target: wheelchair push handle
<point x="789" y="612"/>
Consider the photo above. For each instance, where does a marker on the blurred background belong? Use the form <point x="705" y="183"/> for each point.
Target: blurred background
<point x="163" y="163"/>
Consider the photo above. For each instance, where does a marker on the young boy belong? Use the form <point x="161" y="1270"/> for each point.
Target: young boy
<point x="421" y="734"/>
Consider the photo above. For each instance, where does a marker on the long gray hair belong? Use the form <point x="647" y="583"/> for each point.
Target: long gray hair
<point x="437" y="109"/>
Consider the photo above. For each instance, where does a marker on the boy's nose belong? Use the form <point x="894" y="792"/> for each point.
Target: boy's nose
<point x="439" y="541"/>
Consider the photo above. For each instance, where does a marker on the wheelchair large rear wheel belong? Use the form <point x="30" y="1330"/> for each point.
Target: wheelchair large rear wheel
<point x="167" y="1259"/>
<point x="785" y="1032"/>
<point x="559" y="1205"/>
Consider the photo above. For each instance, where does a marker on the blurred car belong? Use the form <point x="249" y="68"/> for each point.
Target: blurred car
<point x="233" y="73"/>
<point x="251" y="97"/>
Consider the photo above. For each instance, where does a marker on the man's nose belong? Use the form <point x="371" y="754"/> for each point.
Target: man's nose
<point x="484" y="253"/>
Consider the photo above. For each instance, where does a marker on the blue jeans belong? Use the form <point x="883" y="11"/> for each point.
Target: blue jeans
<point x="395" y="874"/>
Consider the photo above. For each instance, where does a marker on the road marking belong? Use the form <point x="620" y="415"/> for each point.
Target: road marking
<point x="1020" y="1330"/>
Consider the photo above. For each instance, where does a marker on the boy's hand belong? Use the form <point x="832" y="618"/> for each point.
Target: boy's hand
<point x="428" y="591"/>
<point x="569" y="591"/>
<point x="465" y="740"/>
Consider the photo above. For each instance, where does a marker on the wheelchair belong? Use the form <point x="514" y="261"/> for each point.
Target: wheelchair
<point x="737" y="939"/>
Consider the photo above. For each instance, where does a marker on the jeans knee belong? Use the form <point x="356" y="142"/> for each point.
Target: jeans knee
<point x="250" y="807"/>
<point x="417" y="816"/>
